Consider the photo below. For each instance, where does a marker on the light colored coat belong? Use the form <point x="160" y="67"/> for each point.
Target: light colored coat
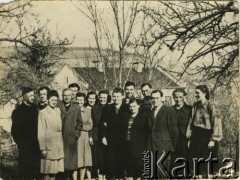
<point x="50" y="132"/>
<point x="72" y="125"/>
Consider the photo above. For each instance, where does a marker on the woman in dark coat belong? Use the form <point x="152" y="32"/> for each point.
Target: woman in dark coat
<point x="98" y="150"/>
<point x="204" y="129"/>
<point x="135" y="131"/>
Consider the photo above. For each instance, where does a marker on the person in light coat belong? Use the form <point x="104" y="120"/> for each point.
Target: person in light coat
<point x="72" y="125"/>
<point x="50" y="138"/>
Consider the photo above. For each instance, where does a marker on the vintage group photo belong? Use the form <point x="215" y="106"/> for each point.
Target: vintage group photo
<point x="119" y="90"/>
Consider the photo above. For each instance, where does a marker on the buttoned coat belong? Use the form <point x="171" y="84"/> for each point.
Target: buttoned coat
<point x="71" y="128"/>
<point x="50" y="132"/>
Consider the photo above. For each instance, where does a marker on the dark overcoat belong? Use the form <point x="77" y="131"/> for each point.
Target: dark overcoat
<point x="111" y="123"/>
<point x="96" y="117"/>
<point x="25" y="134"/>
<point x="183" y="117"/>
<point x="72" y="125"/>
<point x="138" y="133"/>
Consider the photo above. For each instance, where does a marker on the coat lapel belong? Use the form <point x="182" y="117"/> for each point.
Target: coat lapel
<point x="54" y="116"/>
<point x="70" y="109"/>
<point x="157" y="118"/>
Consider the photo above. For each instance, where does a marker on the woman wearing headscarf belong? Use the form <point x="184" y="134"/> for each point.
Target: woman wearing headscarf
<point x="50" y="138"/>
<point x="204" y="130"/>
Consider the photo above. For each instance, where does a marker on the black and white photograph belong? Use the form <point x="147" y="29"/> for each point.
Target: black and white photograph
<point x="119" y="90"/>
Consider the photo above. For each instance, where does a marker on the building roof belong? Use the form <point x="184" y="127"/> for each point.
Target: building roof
<point x="156" y="77"/>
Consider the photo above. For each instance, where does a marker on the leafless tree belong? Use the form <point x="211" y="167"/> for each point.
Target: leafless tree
<point x="203" y="34"/>
<point x="34" y="52"/>
<point x="115" y="38"/>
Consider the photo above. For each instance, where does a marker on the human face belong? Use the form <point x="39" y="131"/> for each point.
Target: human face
<point x="178" y="98"/>
<point x="147" y="105"/>
<point x="81" y="101"/>
<point x="129" y="90"/>
<point x="74" y="92"/>
<point x="134" y="107"/>
<point x="156" y="99"/>
<point x="52" y="102"/>
<point x="29" y="97"/>
<point x="103" y="98"/>
<point x="146" y="91"/>
<point x="43" y="95"/>
<point x="92" y="100"/>
<point x="67" y="96"/>
<point x="117" y="98"/>
<point x="200" y="96"/>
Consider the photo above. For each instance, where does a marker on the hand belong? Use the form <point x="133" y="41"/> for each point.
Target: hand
<point x="211" y="144"/>
<point x="91" y="141"/>
<point x="105" y="124"/>
<point x="188" y="133"/>
<point x="44" y="153"/>
<point x="104" y="141"/>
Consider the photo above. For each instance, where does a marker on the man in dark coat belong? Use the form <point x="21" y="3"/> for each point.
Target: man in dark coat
<point x="24" y="132"/>
<point x="72" y="125"/>
<point x="111" y="120"/>
<point x="164" y="134"/>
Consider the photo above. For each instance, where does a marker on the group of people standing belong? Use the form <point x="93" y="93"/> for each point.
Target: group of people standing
<point x="97" y="136"/>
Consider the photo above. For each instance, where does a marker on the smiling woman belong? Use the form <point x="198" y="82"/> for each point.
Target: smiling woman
<point x="50" y="137"/>
<point x="204" y="130"/>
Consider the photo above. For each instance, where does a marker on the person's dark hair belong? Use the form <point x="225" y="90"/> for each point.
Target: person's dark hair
<point x="157" y="91"/>
<point x="147" y="98"/>
<point x="146" y="84"/>
<point x="118" y="90"/>
<point x="52" y="93"/>
<point x="205" y="90"/>
<point x="129" y="83"/>
<point x="74" y="85"/>
<point x="26" y="90"/>
<point x="104" y="91"/>
<point x="43" y="88"/>
<point x="133" y="100"/>
<point x="80" y="94"/>
<point x="181" y="90"/>
<point x="91" y="93"/>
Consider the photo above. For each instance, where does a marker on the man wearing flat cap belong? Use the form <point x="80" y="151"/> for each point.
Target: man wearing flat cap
<point x="24" y="132"/>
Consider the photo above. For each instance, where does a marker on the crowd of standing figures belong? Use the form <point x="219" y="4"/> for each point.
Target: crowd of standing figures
<point x="103" y="136"/>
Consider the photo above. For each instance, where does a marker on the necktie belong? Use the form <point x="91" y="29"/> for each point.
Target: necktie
<point x="116" y="110"/>
<point x="155" y="112"/>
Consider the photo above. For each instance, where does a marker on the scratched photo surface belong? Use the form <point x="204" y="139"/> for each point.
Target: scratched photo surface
<point x="104" y="44"/>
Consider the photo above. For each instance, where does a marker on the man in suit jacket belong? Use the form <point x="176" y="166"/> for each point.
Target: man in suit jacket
<point x="164" y="132"/>
<point x="111" y="120"/>
<point x="72" y="124"/>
